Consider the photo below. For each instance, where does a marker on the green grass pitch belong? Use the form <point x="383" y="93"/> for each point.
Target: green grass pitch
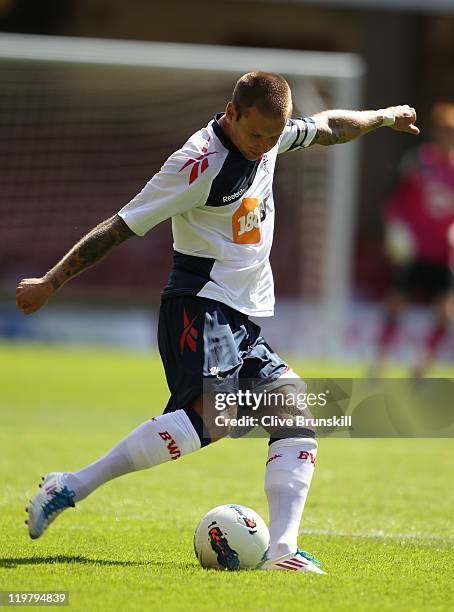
<point x="379" y="514"/>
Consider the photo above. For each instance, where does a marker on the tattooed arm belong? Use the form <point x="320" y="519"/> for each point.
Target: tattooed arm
<point x="339" y="126"/>
<point x="33" y="293"/>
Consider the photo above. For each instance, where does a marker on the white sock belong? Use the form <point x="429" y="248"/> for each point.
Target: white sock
<point x="161" y="439"/>
<point x="289" y="471"/>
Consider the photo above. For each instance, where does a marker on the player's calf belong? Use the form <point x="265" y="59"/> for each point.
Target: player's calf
<point x="164" y="438"/>
<point x="290" y="467"/>
<point x="216" y="419"/>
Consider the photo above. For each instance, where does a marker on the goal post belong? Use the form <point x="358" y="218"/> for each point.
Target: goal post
<point x="85" y="122"/>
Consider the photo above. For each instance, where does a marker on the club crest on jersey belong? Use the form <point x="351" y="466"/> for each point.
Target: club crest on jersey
<point x="199" y="163"/>
<point x="265" y="164"/>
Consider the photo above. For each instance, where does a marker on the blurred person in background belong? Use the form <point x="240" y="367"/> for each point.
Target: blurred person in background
<point x="419" y="239"/>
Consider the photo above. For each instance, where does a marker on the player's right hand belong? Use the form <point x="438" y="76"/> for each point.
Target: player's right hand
<point x="32" y="294"/>
<point x="404" y="119"/>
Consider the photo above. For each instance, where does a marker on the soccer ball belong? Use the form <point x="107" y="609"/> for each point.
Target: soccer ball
<point x="231" y="537"/>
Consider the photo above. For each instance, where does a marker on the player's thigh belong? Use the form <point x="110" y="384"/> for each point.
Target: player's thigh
<point x="199" y="343"/>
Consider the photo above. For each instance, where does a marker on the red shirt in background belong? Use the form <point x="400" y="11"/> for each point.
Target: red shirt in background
<point x="424" y="201"/>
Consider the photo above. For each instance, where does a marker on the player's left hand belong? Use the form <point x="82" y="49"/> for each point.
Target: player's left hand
<point x="405" y="118"/>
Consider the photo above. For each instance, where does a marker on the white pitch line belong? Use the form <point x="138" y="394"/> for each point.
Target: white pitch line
<point x="377" y="535"/>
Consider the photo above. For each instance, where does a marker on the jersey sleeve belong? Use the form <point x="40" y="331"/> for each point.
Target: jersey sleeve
<point x="298" y="134"/>
<point x="183" y="183"/>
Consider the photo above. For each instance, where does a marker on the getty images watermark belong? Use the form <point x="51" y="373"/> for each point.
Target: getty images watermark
<point x="281" y="405"/>
<point x="333" y="407"/>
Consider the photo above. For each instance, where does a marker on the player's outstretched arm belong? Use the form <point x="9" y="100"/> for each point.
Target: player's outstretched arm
<point x="33" y="293"/>
<point x="340" y="126"/>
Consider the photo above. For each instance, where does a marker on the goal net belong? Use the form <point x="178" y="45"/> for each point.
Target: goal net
<point x="85" y="123"/>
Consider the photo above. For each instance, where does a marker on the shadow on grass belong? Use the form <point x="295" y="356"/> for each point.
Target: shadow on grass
<point x="11" y="562"/>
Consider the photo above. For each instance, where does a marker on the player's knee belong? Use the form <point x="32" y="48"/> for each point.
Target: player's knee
<point x="287" y="400"/>
<point x="287" y="410"/>
<point x="209" y="424"/>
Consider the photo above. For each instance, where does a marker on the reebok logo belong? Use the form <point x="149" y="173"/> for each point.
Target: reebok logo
<point x="172" y="447"/>
<point x="276" y="456"/>
<point x="200" y="162"/>
<point x="189" y="334"/>
<point x="234" y="196"/>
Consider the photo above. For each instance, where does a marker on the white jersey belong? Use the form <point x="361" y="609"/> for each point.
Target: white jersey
<point x="222" y="211"/>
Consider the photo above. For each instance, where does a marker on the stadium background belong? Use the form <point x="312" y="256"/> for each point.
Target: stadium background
<point x="415" y="66"/>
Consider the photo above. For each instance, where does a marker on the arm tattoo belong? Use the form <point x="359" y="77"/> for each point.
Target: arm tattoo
<point x="338" y="127"/>
<point x="333" y="133"/>
<point x="89" y="250"/>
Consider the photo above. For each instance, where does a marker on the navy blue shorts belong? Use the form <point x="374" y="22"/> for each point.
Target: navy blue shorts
<point x="200" y="338"/>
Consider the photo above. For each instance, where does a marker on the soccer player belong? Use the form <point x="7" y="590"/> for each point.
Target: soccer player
<point x="218" y="191"/>
<point x="419" y="237"/>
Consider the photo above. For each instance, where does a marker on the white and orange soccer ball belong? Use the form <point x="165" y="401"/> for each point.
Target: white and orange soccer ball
<point x="231" y="537"/>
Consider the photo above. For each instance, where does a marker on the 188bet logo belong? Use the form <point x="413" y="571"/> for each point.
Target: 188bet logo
<point x="246" y="222"/>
